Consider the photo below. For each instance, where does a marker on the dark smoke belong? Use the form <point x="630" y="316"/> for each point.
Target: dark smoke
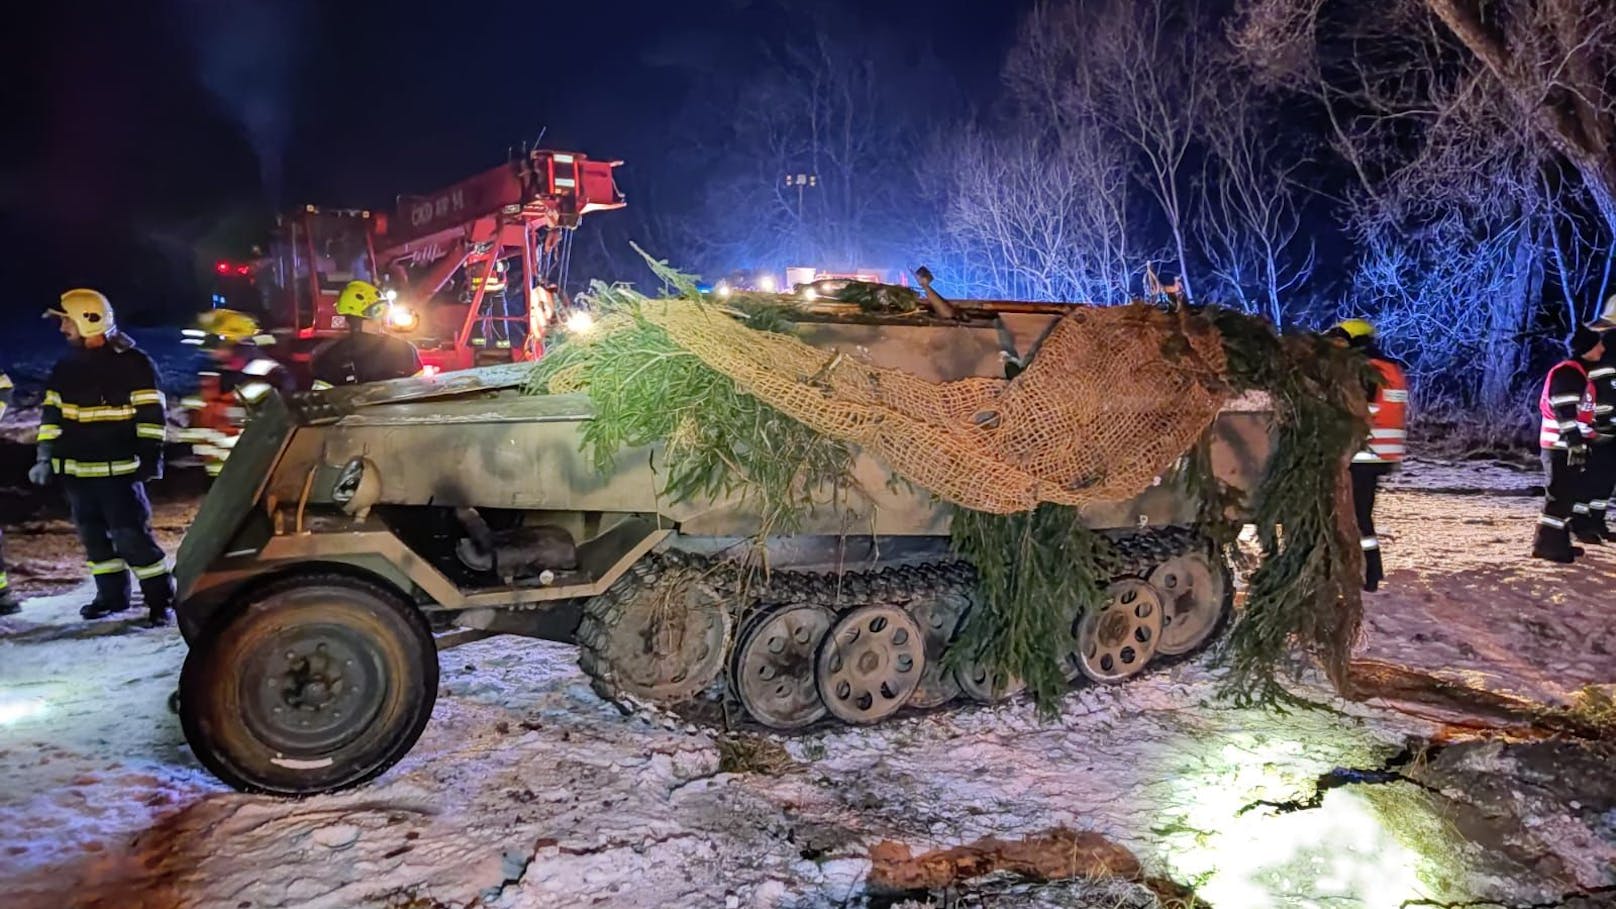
<point x="246" y="54"/>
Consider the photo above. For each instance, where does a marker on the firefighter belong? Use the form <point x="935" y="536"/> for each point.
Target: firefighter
<point x="101" y="431"/>
<point x="243" y="377"/>
<point x="1566" y="408"/>
<point x="8" y="599"/>
<point x="1388" y="435"/>
<point x="1601" y="473"/>
<point x="365" y="354"/>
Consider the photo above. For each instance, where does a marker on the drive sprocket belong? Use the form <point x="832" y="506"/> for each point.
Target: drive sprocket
<point x="659" y="633"/>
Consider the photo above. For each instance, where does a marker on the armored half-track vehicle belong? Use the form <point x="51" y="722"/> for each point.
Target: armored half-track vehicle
<point x="355" y="532"/>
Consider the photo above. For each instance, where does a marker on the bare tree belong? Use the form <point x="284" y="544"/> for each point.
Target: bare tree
<point x="1137" y="70"/>
<point x="1431" y="308"/>
<point x="1554" y="61"/>
<point x="1031" y="216"/>
<point x="1251" y="227"/>
<point x="1462" y="208"/>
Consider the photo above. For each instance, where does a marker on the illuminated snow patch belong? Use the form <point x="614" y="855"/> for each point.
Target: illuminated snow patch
<point x="1338" y="854"/>
<point x="16" y="710"/>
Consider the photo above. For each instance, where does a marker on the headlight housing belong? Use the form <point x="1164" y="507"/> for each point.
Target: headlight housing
<point x="347" y="485"/>
<point x="358" y="487"/>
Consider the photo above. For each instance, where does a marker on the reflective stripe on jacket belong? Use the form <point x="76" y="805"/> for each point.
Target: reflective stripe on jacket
<point x="103" y="412"/>
<point x="1566" y="405"/>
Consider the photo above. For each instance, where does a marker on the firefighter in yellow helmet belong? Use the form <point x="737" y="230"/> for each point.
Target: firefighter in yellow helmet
<point x="101" y="432"/>
<point x="367" y="353"/>
<point x="1388" y="435"/>
<point x="241" y="376"/>
<point x="8" y="599"/>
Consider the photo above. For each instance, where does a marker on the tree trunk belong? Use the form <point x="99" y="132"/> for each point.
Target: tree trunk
<point x="1183" y="260"/>
<point x="1506" y="321"/>
<point x="1581" y="133"/>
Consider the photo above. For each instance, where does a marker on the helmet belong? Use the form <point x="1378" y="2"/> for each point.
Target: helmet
<point x="1356" y="329"/>
<point x="1607" y="317"/>
<point x="89" y="310"/>
<point x="228" y="325"/>
<point x="362" y="299"/>
<point x="1584" y="339"/>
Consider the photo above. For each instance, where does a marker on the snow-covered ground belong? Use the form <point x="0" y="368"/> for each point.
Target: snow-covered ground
<point x="528" y="791"/>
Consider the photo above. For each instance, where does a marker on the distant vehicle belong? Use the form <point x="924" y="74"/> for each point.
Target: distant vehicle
<point x="472" y="271"/>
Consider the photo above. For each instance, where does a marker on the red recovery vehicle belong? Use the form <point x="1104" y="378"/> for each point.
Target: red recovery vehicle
<point x="473" y="271"/>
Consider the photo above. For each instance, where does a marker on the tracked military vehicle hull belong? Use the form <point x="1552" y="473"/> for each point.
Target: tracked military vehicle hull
<point x="355" y="532"/>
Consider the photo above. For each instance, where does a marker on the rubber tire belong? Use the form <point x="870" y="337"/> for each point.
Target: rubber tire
<point x="209" y="690"/>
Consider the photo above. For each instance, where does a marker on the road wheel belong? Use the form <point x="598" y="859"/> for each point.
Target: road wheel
<point x="1197" y="599"/>
<point x="1115" y="641"/>
<point x="316" y="683"/>
<point x="939" y="615"/>
<point x="986" y="687"/>
<point x="870" y="663"/>
<point x="772" y="668"/>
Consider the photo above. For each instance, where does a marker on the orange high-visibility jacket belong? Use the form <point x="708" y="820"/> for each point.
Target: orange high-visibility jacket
<point x="1388" y="417"/>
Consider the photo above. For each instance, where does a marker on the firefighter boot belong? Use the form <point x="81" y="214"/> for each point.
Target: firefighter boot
<point x="1553" y="544"/>
<point x="159" y="595"/>
<point x="1373" y="572"/>
<point x="111" y="595"/>
<point x="9" y="604"/>
<point x="1601" y="523"/>
<point x="1590" y="534"/>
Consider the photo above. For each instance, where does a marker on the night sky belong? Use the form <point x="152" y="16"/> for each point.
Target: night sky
<point x="148" y="135"/>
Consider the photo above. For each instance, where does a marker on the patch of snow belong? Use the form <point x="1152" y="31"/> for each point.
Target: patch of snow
<point x="527" y="791"/>
<point x="1435" y="475"/>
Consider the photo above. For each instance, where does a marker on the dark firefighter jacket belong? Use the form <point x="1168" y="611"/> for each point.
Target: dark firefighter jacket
<point x="1603" y="377"/>
<point x="361" y="357"/>
<point x="103" y="414"/>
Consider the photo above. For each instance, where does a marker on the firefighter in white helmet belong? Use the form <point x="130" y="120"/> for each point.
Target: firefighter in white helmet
<point x="8" y="599"/>
<point x="101" y="432"/>
<point x="367" y="353"/>
<point x="1566" y="406"/>
<point x="1593" y="525"/>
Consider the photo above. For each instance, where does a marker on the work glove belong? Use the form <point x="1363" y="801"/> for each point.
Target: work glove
<point x="150" y="469"/>
<point x="1577" y="456"/>
<point x="40" y="473"/>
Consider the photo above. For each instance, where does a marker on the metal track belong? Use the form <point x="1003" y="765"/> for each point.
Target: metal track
<point x="894" y="585"/>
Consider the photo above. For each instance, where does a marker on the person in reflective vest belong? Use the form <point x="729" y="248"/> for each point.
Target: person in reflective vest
<point x="1388" y="438"/>
<point x="1565" y="427"/>
<point x="101" y="432"/>
<point x="242" y="377"/>
<point x="1600" y="476"/>
<point x="8" y="599"/>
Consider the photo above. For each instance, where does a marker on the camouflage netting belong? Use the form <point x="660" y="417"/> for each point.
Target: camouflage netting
<point x="1114" y="398"/>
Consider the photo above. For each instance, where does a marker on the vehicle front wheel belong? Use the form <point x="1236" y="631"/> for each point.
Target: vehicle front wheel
<point x="315" y="683"/>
